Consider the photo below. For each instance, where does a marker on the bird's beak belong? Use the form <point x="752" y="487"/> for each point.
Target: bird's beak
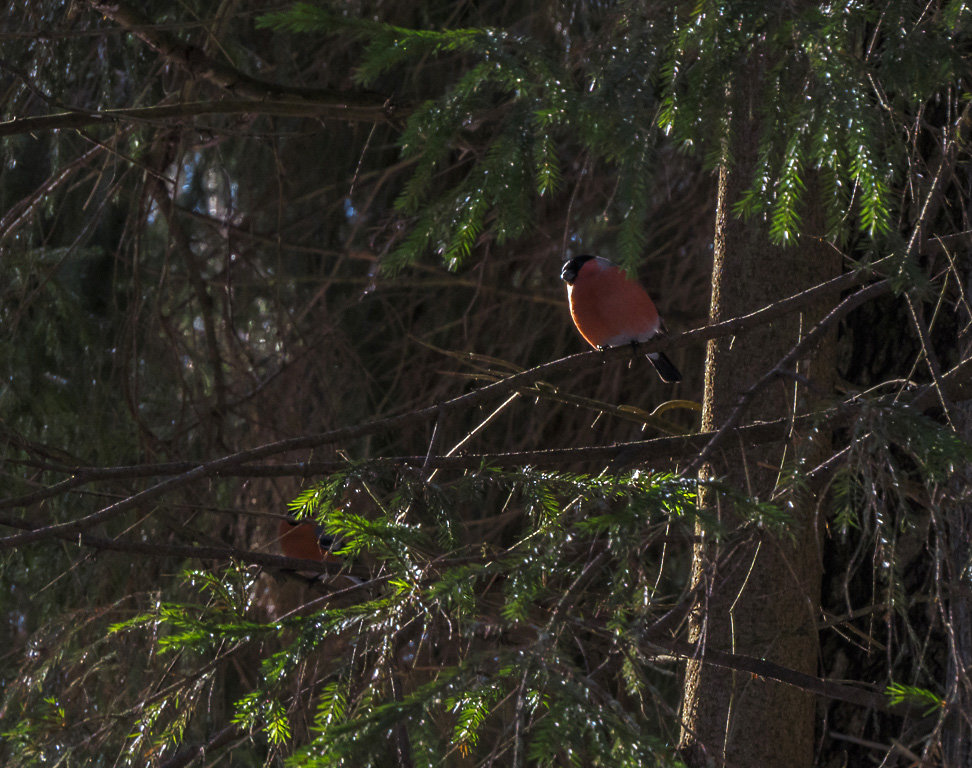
<point x="569" y="273"/>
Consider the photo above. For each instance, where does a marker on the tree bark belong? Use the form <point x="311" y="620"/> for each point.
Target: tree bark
<point x="759" y="590"/>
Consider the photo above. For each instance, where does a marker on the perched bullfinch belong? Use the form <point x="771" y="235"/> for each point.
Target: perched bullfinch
<point x="611" y="310"/>
<point x="305" y="541"/>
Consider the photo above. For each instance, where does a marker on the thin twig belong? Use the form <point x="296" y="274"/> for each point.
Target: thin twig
<point x="921" y="330"/>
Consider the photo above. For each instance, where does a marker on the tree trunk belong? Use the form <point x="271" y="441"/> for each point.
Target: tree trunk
<point x="954" y="523"/>
<point x="758" y="592"/>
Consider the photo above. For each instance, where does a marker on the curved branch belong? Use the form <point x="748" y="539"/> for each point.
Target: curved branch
<point x="760" y="667"/>
<point x="325" y="105"/>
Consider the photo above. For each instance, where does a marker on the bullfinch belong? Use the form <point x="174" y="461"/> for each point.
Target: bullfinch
<point x="610" y="310"/>
<point x="305" y="541"/>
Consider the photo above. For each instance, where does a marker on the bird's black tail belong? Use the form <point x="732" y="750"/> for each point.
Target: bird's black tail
<point x="665" y="367"/>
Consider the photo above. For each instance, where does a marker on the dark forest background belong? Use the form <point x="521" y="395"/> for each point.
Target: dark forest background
<point x="262" y="259"/>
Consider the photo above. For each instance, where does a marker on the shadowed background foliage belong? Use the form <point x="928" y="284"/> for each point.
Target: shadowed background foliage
<point x="311" y="218"/>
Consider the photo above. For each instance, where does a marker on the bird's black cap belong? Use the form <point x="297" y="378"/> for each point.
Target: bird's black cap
<point x="572" y="266"/>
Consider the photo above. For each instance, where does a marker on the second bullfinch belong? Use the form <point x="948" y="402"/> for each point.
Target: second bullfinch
<point x="305" y="541"/>
<point x="611" y="310"/>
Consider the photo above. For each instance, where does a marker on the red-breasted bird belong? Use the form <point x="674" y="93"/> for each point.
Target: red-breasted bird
<point x="611" y="310"/>
<point x="305" y="541"/>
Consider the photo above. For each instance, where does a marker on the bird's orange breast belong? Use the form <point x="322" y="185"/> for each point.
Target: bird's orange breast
<point x="609" y="309"/>
<point x="302" y="541"/>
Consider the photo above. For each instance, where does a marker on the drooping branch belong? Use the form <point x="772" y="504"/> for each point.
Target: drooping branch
<point x="199" y="65"/>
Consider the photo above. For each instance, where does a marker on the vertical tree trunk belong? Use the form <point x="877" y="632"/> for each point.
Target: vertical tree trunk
<point x="955" y="533"/>
<point x="758" y="592"/>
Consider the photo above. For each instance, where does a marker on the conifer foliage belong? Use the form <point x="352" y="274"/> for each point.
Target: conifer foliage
<point x="265" y="260"/>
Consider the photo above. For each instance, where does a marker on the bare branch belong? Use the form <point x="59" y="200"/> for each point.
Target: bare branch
<point x="524" y="379"/>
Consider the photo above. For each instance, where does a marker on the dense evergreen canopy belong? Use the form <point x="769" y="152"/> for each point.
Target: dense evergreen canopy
<point x="268" y="259"/>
